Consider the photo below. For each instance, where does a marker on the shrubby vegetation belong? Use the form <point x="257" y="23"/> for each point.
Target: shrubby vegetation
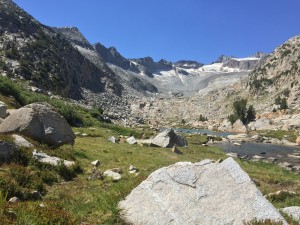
<point x="282" y="102"/>
<point x="74" y="114"/>
<point x="241" y="112"/>
<point x="202" y="118"/>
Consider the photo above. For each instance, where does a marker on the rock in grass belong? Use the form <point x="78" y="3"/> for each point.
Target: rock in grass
<point x="131" y="140"/>
<point x="199" y="193"/>
<point x="114" y="175"/>
<point x="133" y="169"/>
<point x="41" y="122"/>
<point x="96" y="163"/>
<point x="176" y="150"/>
<point x="112" y="139"/>
<point x="21" y="142"/>
<point x="168" y="139"/>
<point x="293" y="211"/>
<point x="14" y="200"/>
<point x="55" y="161"/>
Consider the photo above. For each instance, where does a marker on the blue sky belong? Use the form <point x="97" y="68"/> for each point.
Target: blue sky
<point x="198" y="30"/>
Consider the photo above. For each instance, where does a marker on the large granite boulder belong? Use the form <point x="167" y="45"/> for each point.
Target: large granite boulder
<point x="261" y="124"/>
<point x="225" y="126"/>
<point x="199" y="193"/>
<point x="7" y="151"/>
<point x="239" y="127"/>
<point x="168" y="138"/>
<point x="41" y="122"/>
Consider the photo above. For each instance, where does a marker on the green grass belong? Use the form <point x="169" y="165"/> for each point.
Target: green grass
<point x="290" y="135"/>
<point x="95" y="201"/>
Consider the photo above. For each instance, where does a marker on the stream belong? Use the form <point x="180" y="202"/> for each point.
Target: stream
<point x="281" y="153"/>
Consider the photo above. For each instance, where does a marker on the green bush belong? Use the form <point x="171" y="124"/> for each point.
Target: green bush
<point x="241" y="112"/>
<point x="202" y="118"/>
<point x="74" y="114"/>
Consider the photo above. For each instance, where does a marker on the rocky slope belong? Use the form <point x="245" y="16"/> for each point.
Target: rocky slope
<point x="279" y="75"/>
<point x="37" y="53"/>
<point x="275" y="75"/>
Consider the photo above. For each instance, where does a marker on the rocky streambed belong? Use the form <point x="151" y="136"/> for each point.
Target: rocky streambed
<point x="254" y="147"/>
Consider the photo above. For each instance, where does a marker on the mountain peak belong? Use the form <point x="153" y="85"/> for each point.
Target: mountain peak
<point x="222" y="59"/>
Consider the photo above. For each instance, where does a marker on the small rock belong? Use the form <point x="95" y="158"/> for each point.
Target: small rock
<point x="42" y="205"/>
<point x="112" y="139"/>
<point x="77" y="133"/>
<point x="236" y="144"/>
<point x="55" y="161"/>
<point x="95" y="175"/>
<point x="96" y="163"/>
<point x="204" y="145"/>
<point x="293" y="156"/>
<point x="21" y="142"/>
<point x="133" y="169"/>
<point x="131" y="140"/>
<point x="84" y="135"/>
<point x="272" y="159"/>
<point x="176" y="150"/>
<point x="293" y="211"/>
<point x="115" y="176"/>
<point x="219" y="161"/>
<point x="232" y="154"/>
<point x="296" y="168"/>
<point x="36" y="195"/>
<point x="258" y="157"/>
<point x="285" y="165"/>
<point x="14" y="200"/>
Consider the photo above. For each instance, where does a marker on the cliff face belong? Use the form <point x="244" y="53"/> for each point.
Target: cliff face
<point x="38" y="53"/>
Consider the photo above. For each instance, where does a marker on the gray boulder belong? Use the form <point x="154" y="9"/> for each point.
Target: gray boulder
<point x="168" y="138"/>
<point x="261" y="124"/>
<point x="41" y="122"/>
<point x="293" y="211"/>
<point x="199" y="193"/>
<point x="131" y="140"/>
<point x="225" y="126"/>
<point x="55" y="161"/>
<point x="239" y="127"/>
<point x="3" y="108"/>
<point x="6" y="151"/>
<point x="112" y="139"/>
<point x="113" y="174"/>
<point x="21" y="142"/>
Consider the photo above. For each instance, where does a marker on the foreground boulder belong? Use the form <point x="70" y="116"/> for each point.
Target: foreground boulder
<point x="168" y="138"/>
<point x="200" y="193"/>
<point x="41" y="122"/>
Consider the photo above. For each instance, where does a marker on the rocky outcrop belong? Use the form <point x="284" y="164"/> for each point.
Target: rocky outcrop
<point x="188" y="64"/>
<point x="261" y="124"/>
<point x="41" y="122"/>
<point x="199" y="193"/>
<point x="168" y="139"/>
